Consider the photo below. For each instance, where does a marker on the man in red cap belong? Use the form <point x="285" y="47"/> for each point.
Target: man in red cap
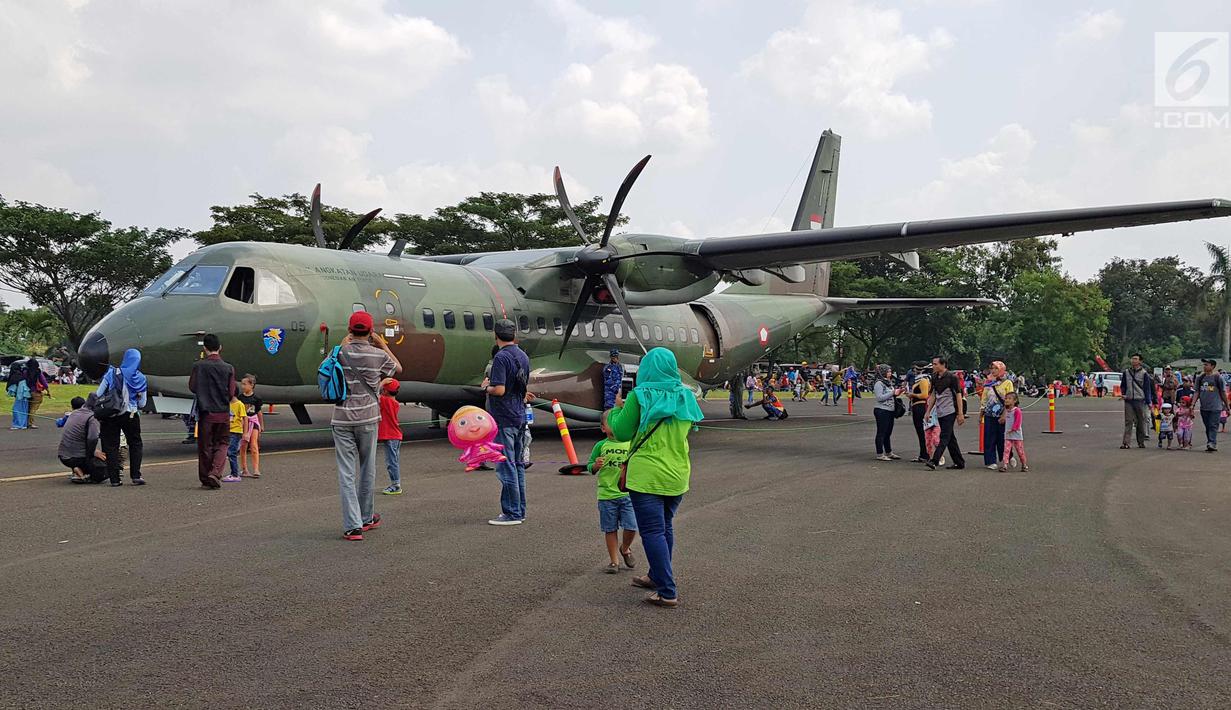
<point x="366" y="361"/>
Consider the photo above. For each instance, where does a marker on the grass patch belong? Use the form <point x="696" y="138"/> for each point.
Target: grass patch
<point x="61" y="396"/>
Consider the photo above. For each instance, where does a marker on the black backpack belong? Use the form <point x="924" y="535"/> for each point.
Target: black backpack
<point x="111" y="403"/>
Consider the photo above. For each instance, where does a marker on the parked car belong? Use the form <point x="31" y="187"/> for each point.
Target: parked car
<point x="5" y="361"/>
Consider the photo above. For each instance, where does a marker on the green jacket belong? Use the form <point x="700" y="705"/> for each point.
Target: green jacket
<point x="660" y="464"/>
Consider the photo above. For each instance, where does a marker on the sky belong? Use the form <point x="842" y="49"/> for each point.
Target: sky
<point x="151" y="112"/>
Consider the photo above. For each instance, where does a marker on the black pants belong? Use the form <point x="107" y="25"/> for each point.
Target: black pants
<point x="109" y="435"/>
<point x="95" y="470"/>
<point x="884" y="430"/>
<point x="916" y="415"/>
<point x="948" y="440"/>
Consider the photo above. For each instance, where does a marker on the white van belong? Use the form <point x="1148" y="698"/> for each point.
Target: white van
<point x="1111" y="380"/>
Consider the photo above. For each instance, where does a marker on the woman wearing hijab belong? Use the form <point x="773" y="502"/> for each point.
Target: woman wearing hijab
<point x="657" y="418"/>
<point x="38" y="383"/>
<point x="886" y="395"/>
<point x="17" y="388"/>
<point x="129" y="379"/>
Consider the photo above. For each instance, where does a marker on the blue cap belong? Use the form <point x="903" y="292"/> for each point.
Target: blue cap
<point x="614" y="352"/>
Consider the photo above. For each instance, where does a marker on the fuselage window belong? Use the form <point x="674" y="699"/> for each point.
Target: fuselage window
<point x="670" y="334"/>
<point x="523" y="323"/>
<point x="450" y="321"/>
<point x="602" y="330"/>
<point x="696" y="337"/>
<point x="589" y="329"/>
<point x="576" y="330"/>
<point x="488" y="321"/>
<point x="683" y="335"/>
<point x="468" y="320"/>
<point x="389" y="308"/>
<point x="558" y="326"/>
<point x="658" y="333"/>
<point x="271" y="290"/>
<point x="542" y="325"/>
<point x="201" y="281"/>
<point x="645" y="332"/>
<point x="618" y="329"/>
<point x="356" y="307"/>
<point x="239" y="288"/>
<point x="429" y="318"/>
<point x="160" y="284"/>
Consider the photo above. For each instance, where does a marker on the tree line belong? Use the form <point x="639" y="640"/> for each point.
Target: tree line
<point x="75" y="268"/>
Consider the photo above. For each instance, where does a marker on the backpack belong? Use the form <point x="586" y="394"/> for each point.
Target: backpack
<point x="111" y="403"/>
<point x="331" y="379"/>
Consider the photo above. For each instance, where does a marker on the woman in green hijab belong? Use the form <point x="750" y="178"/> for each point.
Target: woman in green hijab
<point x="657" y="418"/>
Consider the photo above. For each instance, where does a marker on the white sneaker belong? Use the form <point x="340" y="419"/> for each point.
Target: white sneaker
<point x="882" y="457"/>
<point x="992" y="467"/>
<point x="503" y="519"/>
<point x="942" y="461"/>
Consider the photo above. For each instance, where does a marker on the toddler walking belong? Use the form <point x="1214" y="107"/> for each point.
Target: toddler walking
<point x="1014" y="441"/>
<point x="389" y="435"/>
<point x="1184" y="422"/>
<point x="615" y="507"/>
<point x="1166" y="425"/>
<point x="239" y="417"/>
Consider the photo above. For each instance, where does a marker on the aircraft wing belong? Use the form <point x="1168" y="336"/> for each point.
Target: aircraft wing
<point x="806" y="246"/>
<point x="840" y="305"/>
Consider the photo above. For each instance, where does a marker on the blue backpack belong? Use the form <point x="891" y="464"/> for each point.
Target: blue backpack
<point x="331" y="379"/>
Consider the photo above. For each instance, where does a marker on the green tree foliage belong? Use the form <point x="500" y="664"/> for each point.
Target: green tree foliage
<point x="1157" y="307"/>
<point x="286" y="220"/>
<point x="75" y="265"/>
<point x="499" y="221"/>
<point x="29" y="331"/>
<point x="1218" y="286"/>
<point x="1053" y="325"/>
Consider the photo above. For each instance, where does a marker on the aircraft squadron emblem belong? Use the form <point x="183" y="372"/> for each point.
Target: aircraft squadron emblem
<point x="273" y="340"/>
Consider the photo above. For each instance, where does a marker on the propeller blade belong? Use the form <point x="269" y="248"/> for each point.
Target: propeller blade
<point x="316" y="216"/>
<point x="567" y="206"/>
<point x="356" y="228"/>
<point x="617" y="293"/>
<point x="586" y="289"/>
<point x="618" y="203"/>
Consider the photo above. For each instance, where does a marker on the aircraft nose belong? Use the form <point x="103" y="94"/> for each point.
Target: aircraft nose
<point x="93" y="356"/>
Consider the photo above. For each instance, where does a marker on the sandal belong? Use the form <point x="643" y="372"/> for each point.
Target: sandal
<point x="612" y="568"/>
<point x="643" y="582"/>
<point x="245" y="474"/>
<point x="629" y="560"/>
<point x="657" y="600"/>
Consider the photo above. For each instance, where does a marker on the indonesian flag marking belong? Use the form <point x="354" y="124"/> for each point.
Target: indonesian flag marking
<point x="763" y="334"/>
<point x="816" y="220"/>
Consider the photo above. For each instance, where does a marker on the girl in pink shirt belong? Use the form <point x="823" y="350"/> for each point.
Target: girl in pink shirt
<point x="1014" y="442"/>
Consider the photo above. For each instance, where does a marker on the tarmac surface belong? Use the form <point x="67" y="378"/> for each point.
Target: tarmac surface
<point x="810" y="575"/>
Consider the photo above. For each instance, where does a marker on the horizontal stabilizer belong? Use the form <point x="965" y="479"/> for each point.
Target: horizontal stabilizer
<point x="840" y="305"/>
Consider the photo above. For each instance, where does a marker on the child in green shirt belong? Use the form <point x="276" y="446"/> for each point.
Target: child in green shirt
<point x="615" y="507"/>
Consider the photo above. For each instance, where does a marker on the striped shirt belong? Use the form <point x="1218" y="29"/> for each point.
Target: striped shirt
<point x="365" y="365"/>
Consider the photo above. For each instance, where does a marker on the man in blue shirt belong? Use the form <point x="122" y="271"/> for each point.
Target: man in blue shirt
<point x="507" y="397"/>
<point x="613" y="378"/>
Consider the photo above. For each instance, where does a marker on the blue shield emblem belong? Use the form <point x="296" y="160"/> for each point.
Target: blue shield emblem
<point x="273" y="340"/>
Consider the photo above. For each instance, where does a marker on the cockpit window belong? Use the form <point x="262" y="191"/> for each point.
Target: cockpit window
<point x="272" y="290"/>
<point x="241" y="285"/>
<point x="160" y="284"/>
<point x="201" y="281"/>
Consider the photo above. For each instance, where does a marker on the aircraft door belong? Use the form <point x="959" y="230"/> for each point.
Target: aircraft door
<point x="711" y="343"/>
<point x="388" y="317"/>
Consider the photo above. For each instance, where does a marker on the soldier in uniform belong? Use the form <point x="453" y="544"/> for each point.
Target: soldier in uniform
<point x="613" y="378"/>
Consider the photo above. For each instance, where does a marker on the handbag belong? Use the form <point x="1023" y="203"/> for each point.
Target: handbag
<point x="899" y="408"/>
<point x="623" y="484"/>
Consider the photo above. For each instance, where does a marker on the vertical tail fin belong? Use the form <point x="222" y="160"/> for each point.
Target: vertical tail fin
<point x="815" y="211"/>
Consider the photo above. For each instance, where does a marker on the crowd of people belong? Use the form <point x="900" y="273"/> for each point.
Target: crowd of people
<point x="642" y="465"/>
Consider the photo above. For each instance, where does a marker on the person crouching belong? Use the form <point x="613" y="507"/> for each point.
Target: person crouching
<point x="79" y="443"/>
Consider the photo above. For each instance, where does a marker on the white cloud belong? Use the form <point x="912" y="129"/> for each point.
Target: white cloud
<point x="1091" y="26"/>
<point x="852" y="58"/>
<point x="622" y="99"/>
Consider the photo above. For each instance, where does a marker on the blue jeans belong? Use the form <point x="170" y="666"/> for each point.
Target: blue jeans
<point x="354" y="446"/>
<point x="1212" y="422"/>
<point x="233" y="452"/>
<point x="393" y="460"/>
<point x="993" y="440"/>
<point x="654" y="514"/>
<point x="512" y="473"/>
<point x="751" y="394"/>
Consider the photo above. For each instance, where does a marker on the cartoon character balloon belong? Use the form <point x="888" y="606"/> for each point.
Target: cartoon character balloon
<point x="474" y="431"/>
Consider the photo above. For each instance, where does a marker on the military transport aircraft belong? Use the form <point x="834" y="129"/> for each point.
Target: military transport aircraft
<point x="719" y="303"/>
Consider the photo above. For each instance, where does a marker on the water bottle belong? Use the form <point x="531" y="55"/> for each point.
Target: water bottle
<point x="529" y="415"/>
